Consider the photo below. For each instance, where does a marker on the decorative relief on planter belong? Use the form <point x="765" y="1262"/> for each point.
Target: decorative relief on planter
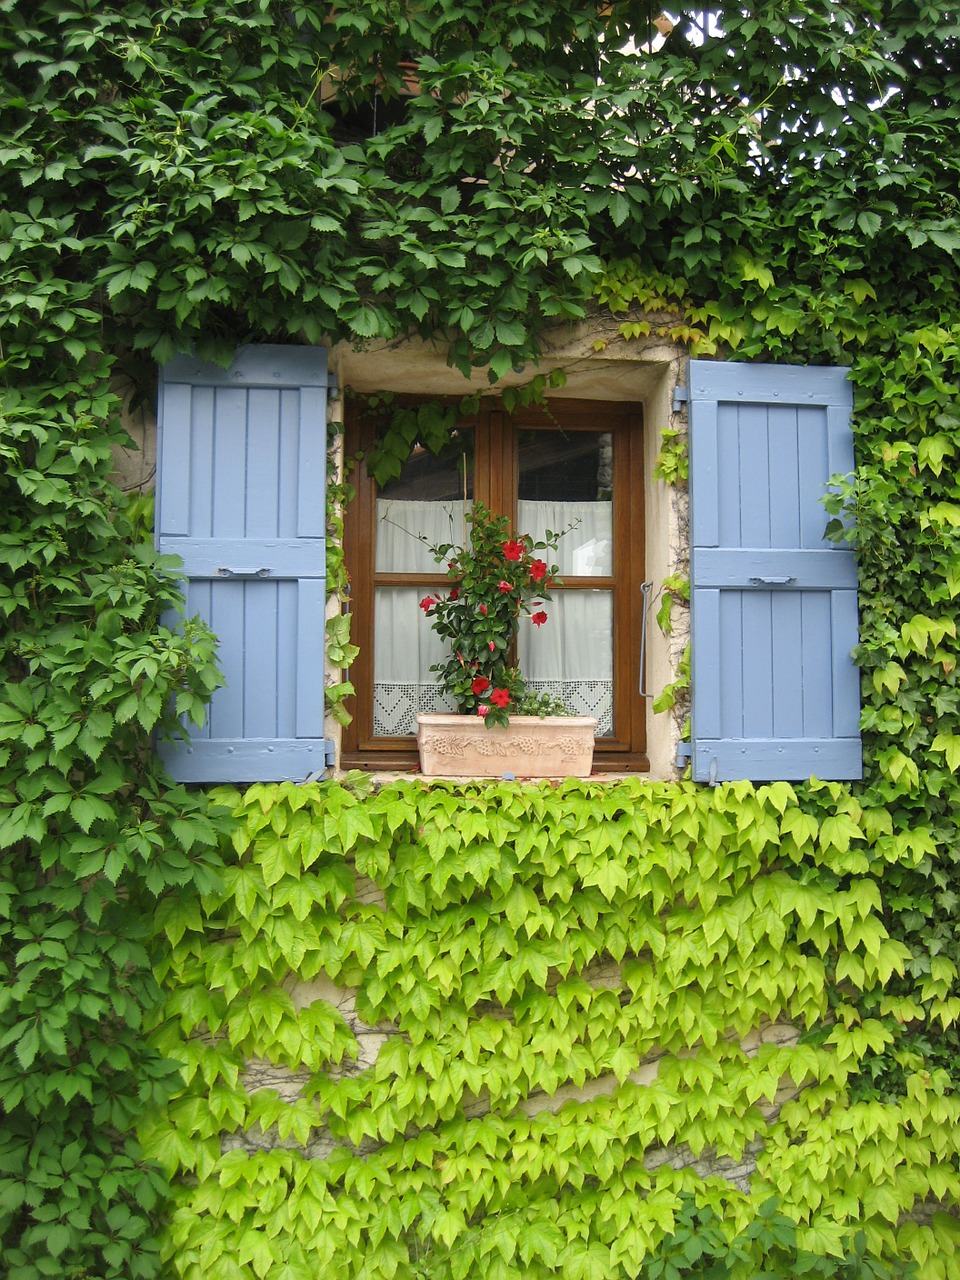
<point x="530" y="747"/>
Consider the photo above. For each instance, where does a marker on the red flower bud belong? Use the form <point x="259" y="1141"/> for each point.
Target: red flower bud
<point x="504" y="586"/>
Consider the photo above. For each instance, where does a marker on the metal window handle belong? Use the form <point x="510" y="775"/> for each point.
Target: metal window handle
<point x="224" y="572"/>
<point x="770" y="582"/>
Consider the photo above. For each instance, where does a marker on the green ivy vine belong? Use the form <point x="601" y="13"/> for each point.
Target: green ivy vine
<point x="522" y="944"/>
<point x="201" y="174"/>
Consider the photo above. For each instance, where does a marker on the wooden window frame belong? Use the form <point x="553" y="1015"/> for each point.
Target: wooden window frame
<point x="495" y="482"/>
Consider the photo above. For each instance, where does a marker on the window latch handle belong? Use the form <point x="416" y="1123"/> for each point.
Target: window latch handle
<point x="224" y="572"/>
<point x="771" y="582"/>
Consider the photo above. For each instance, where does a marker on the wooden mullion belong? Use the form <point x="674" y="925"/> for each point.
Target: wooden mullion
<point x="639" y="561"/>
<point x="410" y="580"/>
<point x="358" y="547"/>
<point x="501" y="479"/>
<point x="623" y="718"/>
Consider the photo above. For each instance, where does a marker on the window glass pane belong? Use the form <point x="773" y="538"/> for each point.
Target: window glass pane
<point x="404" y="649"/>
<point x="571" y="654"/>
<point x="565" y="479"/>
<point x="427" y="501"/>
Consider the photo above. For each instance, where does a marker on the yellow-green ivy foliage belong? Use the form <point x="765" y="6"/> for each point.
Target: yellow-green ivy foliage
<point x="516" y="946"/>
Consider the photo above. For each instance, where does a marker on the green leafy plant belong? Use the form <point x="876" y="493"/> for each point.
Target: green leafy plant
<point x="709" y="912"/>
<point x="497" y="578"/>
<point x="781" y="189"/>
<point x="676" y="589"/>
<point x="541" y="703"/>
<point x="672" y="463"/>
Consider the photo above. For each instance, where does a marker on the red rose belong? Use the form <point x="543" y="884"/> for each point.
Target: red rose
<point x="538" y="619"/>
<point x="427" y="603"/>
<point x="504" y="586"/>
<point x="512" y="550"/>
<point x="500" y="697"/>
<point x="480" y="685"/>
<point x="538" y="570"/>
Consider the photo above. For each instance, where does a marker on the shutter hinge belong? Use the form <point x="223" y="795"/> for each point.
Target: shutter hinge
<point x="684" y="753"/>
<point x="680" y="397"/>
<point x="333" y="387"/>
<point x="329" y="762"/>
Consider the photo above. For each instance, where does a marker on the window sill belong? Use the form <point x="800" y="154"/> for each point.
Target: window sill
<point x="387" y="767"/>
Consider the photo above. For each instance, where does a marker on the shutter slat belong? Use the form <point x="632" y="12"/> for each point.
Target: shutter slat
<point x="311" y="476"/>
<point x="707" y="673"/>
<point x="174" y="501"/>
<point x="311" y="606"/>
<point x="787" y="619"/>
<point x="242" y="458"/>
<point x="846" y="677"/>
<point x="775" y="693"/>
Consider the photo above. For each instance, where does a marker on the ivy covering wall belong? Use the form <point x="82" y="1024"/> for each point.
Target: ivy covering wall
<point x="522" y="940"/>
<point x="201" y="174"/>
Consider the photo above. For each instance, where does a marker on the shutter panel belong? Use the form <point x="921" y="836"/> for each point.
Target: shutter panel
<point x="241" y="499"/>
<point x="775" y="693"/>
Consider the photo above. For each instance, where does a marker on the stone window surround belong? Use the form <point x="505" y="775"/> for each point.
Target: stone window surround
<point x="645" y="370"/>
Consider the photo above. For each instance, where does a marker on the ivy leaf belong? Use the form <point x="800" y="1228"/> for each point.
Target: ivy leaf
<point x="277" y="860"/>
<point x="932" y="450"/>
<point x="949" y="744"/>
<point x="948" y="240"/>
<point x="58" y="1238"/>
<point x="869" y="223"/>
<point x="510" y="332"/>
<point x="27" y="1046"/>
<point x="365" y="322"/>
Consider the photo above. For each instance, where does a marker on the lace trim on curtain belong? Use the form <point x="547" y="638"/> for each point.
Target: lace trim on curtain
<point x="395" y="703"/>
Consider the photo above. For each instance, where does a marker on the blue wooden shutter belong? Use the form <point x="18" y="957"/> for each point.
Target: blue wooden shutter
<point x="775" y="693"/>
<point x="241" y="499"/>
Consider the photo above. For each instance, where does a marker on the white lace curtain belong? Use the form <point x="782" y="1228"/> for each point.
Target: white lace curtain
<point x="570" y="656"/>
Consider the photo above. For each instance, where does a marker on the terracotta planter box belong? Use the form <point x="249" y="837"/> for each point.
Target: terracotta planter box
<point x="456" y="746"/>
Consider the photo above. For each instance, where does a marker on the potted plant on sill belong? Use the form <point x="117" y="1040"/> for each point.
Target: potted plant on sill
<point x="497" y="579"/>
